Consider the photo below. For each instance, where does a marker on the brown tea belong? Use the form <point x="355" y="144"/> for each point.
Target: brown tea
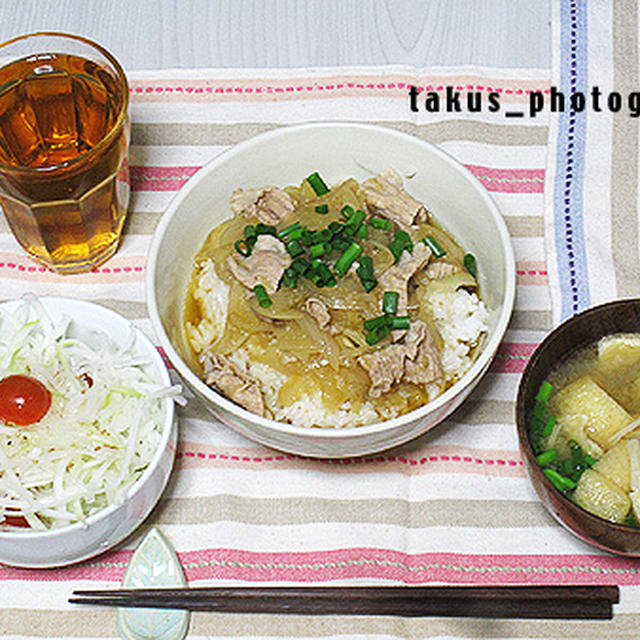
<point x="64" y="186"/>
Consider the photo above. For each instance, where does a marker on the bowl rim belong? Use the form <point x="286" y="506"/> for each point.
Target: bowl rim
<point x="156" y="363"/>
<point x="521" y="423"/>
<point x="331" y="433"/>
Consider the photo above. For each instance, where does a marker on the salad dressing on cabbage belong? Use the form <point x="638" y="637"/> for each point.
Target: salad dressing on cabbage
<point x="98" y="435"/>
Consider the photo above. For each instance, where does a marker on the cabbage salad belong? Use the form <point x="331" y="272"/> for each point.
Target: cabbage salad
<point x="99" y="434"/>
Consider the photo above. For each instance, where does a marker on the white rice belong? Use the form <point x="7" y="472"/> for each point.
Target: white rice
<point x="212" y="295"/>
<point x="460" y="318"/>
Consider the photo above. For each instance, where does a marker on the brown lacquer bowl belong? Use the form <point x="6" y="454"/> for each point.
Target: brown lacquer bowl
<point x="578" y="331"/>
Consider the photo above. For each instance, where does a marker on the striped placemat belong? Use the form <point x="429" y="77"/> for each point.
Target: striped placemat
<point x="451" y="507"/>
<point x="592" y="178"/>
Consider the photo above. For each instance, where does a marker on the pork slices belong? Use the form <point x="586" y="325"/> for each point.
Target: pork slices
<point x="264" y="266"/>
<point x="268" y="204"/>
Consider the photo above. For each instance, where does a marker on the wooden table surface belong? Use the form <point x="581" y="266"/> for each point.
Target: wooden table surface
<point x="156" y="34"/>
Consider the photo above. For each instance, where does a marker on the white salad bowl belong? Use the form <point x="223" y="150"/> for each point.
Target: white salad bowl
<point x="75" y="542"/>
<point x="338" y="151"/>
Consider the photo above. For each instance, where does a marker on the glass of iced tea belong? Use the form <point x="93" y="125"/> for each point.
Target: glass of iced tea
<point x="64" y="138"/>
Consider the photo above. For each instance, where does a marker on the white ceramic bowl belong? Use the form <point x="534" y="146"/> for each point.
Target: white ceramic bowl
<point x="338" y="151"/>
<point x="76" y="542"/>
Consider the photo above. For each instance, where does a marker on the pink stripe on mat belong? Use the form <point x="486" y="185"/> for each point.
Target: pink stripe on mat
<point x="151" y="178"/>
<point x="18" y="266"/>
<point x="532" y="273"/>
<point x="433" y="459"/>
<point x="362" y="564"/>
<point x="509" y="180"/>
<point x="388" y="85"/>
<point x="512" y="357"/>
<point x="160" y="178"/>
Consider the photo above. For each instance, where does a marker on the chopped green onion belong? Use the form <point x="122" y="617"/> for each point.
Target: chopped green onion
<point x="320" y="274"/>
<point x="548" y="427"/>
<point x="572" y="469"/>
<point x="401" y="241"/>
<point x="379" y="321"/>
<point x="544" y="393"/>
<point x="354" y="225"/>
<point x="380" y="223"/>
<point x="330" y="279"/>
<point x="470" y="264"/>
<point x="300" y="265"/>
<point x="575" y="466"/>
<point x="365" y="267"/>
<point x="297" y="234"/>
<point x="400" y="322"/>
<point x="317" y="250"/>
<point x="340" y="244"/>
<point x="290" y="278"/>
<point x="322" y="209"/>
<point x="547" y="457"/>
<point x="306" y="237"/>
<point x="369" y="284"/>
<point x="539" y="411"/>
<point x="317" y="184"/>
<point x="347" y="259"/>
<point x="559" y="481"/>
<point x="287" y="230"/>
<point x="326" y="278"/>
<point x="362" y="232"/>
<point x="324" y="271"/>
<point x="376" y="334"/>
<point x="321" y="235"/>
<point x="435" y="246"/>
<point x="265" y="229"/>
<point x="365" y="273"/>
<point x="390" y="302"/>
<point x="336" y="228"/>
<point x="537" y="423"/>
<point x="356" y="218"/>
<point x="295" y="248"/>
<point x="590" y="460"/>
<point x="242" y="247"/>
<point x="346" y="211"/>
<point x="250" y="232"/>
<point x="263" y="297"/>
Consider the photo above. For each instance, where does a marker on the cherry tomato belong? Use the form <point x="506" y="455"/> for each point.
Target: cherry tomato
<point x="23" y="400"/>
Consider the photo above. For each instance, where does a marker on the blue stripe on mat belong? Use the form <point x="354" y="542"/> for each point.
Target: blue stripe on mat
<point x="569" y="225"/>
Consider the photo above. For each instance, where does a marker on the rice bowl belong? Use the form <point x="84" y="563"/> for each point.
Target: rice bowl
<point x="339" y="150"/>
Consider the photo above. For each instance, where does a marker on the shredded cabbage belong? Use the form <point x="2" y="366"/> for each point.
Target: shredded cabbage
<point x="100" y="433"/>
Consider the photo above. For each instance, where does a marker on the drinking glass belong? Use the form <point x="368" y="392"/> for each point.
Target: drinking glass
<point x="64" y="139"/>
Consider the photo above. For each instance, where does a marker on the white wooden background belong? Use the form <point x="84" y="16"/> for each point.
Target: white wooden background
<point x="155" y="34"/>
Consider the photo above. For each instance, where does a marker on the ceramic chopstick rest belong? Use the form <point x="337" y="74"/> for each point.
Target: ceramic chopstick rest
<point x="153" y="564"/>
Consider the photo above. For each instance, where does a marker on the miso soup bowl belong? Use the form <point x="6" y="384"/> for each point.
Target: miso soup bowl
<point x="81" y="540"/>
<point x="338" y="151"/>
<point x="576" y="332"/>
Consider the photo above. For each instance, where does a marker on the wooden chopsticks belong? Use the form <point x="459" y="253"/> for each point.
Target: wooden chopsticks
<point x="551" y="602"/>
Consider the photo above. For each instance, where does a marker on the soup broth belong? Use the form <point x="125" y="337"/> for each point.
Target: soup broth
<point x="585" y="428"/>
